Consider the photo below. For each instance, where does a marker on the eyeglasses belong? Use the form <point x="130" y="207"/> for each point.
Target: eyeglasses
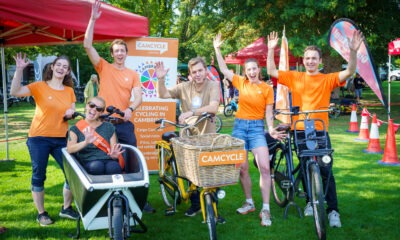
<point x="92" y="105"/>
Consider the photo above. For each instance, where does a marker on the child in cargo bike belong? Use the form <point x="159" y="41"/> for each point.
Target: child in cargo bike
<point x="94" y="142"/>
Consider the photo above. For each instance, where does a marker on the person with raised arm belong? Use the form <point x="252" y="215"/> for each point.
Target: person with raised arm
<point x="55" y="98"/>
<point x="118" y="82"/>
<point x="196" y="97"/>
<point x="94" y="142"/>
<point x="311" y="90"/>
<point x="256" y="99"/>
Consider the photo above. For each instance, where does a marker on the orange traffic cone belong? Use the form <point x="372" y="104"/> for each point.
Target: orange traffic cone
<point x="374" y="145"/>
<point x="353" y="126"/>
<point x="390" y="156"/>
<point x="363" y="136"/>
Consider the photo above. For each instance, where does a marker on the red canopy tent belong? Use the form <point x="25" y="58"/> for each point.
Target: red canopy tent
<point x="393" y="49"/>
<point x="258" y="50"/>
<point x="52" y="22"/>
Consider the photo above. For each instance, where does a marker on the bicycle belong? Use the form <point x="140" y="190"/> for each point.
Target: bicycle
<point x="345" y="106"/>
<point x="175" y="185"/>
<point x="112" y="202"/>
<point x="230" y="108"/>
<point x="311" y="147"/>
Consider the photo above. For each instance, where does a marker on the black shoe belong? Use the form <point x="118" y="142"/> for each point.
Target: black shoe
<point x="44" y="219"/>
<point x="192" y="211"/>
<point x="69" y="213"/>
<point x="148" y="208"/>
<point x="221" y="220"/>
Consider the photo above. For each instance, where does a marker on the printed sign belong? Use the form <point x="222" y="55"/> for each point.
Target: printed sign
<point x="222" y="158"/>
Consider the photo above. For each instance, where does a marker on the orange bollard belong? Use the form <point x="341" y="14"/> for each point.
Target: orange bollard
<point x="363" y="136"/>
<point x="390" y="156"/>
<point x="374" y="145"/>
<point x="353" y="126"/>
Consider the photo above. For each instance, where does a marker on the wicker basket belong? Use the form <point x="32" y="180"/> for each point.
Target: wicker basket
<point x="187" y="150"/>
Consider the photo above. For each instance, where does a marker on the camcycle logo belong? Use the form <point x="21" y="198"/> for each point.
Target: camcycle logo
<point x="222" y="158"/>
<point x="148" y="78"/>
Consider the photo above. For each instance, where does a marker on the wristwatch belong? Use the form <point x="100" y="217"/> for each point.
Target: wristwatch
<point x="131" y="109"/>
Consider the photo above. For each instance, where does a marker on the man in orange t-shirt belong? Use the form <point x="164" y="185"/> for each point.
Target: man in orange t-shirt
<point x="311" y="91"/>
<point x="118" y="82"/>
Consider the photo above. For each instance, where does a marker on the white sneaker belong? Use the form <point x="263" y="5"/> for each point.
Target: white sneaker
<point x="265" y="217"/>
<point x="334" y="219"/>
<point x="308" y="210"/>
<point x="246" y="208"/>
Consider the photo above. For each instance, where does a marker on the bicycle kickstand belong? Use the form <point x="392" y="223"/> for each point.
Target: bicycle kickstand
<point x="292" y="204"/>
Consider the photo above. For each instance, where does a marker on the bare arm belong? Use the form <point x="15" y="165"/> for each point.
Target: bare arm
<point x="354" y="45"/>
<point x="88" y="40"/>
<point x="161" y="72"/>
<point x="272" y="43"/>
<point x="137" y="95"/>
<point x="221" y="62"/>
<point x="16" y="88"/>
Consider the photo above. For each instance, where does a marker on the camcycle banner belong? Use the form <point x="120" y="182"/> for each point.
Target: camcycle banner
<point x="340" y="33"/>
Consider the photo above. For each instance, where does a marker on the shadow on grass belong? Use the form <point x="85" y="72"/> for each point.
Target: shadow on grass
<point x="7" y="165"/>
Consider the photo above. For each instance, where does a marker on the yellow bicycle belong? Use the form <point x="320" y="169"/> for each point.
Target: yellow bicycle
<point x="176" y="184"/>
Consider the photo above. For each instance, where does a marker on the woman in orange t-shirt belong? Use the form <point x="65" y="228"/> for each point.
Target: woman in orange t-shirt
<point x="54" y="97"/>
<point x="256" y="99"/>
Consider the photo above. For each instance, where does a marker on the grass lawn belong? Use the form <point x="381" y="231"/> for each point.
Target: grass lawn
<point x="368" y="193"/>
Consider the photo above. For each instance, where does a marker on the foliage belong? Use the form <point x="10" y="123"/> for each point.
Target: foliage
<point x="195" y="23"/>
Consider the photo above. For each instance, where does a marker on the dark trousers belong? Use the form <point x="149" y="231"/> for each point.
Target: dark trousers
<point x="126" y="133"/>
<point x="328" y="180"/>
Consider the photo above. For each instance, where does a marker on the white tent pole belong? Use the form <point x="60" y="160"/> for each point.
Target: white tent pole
<point x="4" y="77"/>
<point x="389" y="81"/>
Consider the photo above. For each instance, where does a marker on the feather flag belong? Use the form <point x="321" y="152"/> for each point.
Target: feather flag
<point x="282" y="92"/>
<point x="340" y="33"/>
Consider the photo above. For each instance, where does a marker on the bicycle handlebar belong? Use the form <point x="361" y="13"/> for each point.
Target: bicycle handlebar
<point x="296" y="111"/>
<point x="163" y="121"/>
<point x="73" y="116"/>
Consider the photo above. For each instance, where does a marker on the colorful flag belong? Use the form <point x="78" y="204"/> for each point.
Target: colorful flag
<point x="282" y="92"/>
<point x="340" y="33"/>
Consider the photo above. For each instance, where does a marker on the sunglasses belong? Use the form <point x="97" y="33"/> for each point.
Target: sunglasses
<point x="92" y="105"/>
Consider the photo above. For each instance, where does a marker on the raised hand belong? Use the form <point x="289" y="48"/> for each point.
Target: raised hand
<point x="218" y="41"/>
<point x="115" y="150"/>
<point x="272" y="40"/>
<point x="21" y="62"/>
<point x="161" y="72"/>
<point x="355" y="42"/>
<point x="88" y="132"/>
<point x="96" y="13"/>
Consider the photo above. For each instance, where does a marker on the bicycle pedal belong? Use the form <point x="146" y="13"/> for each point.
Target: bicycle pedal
<point x="286" y="184"/>
<point x="169" y="212"/>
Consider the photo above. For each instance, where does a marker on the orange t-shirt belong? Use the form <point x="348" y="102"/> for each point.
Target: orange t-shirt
<point x="253" y="98"/>
<point x="310" y="92"/>
<point x="50" y="109"/>
<point x="116" y="84"/>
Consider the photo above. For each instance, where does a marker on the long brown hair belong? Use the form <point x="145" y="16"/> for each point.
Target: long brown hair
<point x="48" y="73"/>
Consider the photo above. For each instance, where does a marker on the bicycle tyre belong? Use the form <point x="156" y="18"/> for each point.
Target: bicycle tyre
<point x="210" y="217"/>
<point x="218" y="124"/>
<point x="168" y="185"/>
<point x="317" y="200"/>
<point x="228" y="111"/>
<point x="280" y="183"/>
<point x="117" y="219"/>
<point x="31" y="100"/>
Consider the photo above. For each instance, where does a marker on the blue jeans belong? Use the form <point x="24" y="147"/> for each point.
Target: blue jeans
<point x="126" y="133"/>
<point x="40" y="148"/>
<point x="251" y="132"/>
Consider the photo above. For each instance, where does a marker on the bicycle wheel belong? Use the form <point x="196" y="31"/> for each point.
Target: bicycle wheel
<point x="210" y="217"/>
<point x="218" y="124"/>
<point x="280" y="181"/>
<point x="168" y="185"/>
<point x="31" y="100"/>
<point x="317" y="199"/>
<point x="117" y="219"/>
<point x="228" y="111"/>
